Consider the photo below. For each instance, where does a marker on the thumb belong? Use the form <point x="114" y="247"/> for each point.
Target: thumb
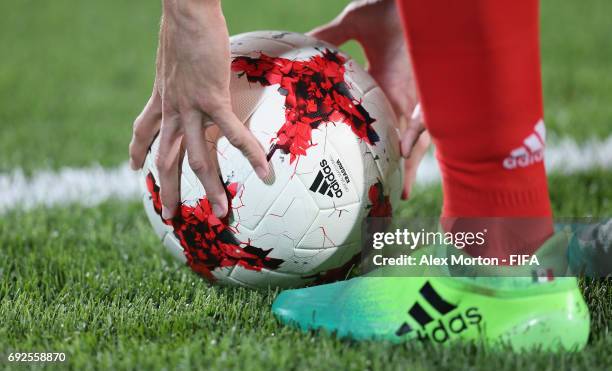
<point x="335" y="32"/>
<point x="411" y="163"/>
<point x="413" y="132"/>
<point x="145" y="128"/>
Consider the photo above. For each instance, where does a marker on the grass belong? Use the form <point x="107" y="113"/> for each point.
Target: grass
<point x="93" y="282"/>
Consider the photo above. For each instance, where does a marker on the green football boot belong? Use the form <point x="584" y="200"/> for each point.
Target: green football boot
<point x="532" y="310"/>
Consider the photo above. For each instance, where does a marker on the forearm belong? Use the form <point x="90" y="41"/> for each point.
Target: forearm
<point x="189" y="24"/>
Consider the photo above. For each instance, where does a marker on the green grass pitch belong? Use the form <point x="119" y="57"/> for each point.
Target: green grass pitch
<point x="95" y="283"/>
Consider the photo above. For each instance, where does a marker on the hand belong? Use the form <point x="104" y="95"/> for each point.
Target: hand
<point x="191" y="94"/>
<point x="375" y="24"/>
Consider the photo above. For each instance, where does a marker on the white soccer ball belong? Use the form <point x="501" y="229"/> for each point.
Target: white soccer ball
<point x="330" y="135"/>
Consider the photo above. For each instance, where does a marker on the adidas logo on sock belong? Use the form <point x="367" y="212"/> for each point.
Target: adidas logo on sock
<point x="532" y="150"/>
<point x="325" y="182"/>
<point x="445" y="325"/>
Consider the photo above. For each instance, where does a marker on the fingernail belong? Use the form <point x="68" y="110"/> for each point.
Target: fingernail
<point x="416" y="112"/>
<point x="405" y="149"/>
<point x="404" y="195"/>
<point x="269" y="176"/>
<point x="269" y="180"/>
<point x="166" y="213"/>
<point x="262" y="171"/>
<point x="219" y="211"/>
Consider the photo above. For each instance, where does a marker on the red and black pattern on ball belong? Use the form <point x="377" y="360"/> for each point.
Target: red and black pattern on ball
<point x="335" y="274"/>
<point x="315" y="93"/>
<point x="380" y="206"/>
<point x="209" y="242"/>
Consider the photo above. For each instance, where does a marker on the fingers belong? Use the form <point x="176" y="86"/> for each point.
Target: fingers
<point x="145" y="128"/>
<point x="414" y="144"/>
<point x="335" y="32"/>
<point x="411" y="164"/>
<point x="203" y="163"/>
<point x="167" y="163"/>
<point x="412" y="133"/>
<point x="240" y="137"/>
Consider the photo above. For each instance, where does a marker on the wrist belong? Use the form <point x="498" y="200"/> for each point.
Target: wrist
<point x="188" y="8"/>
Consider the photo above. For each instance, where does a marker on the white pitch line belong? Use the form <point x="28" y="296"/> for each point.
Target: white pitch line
<point x="87" y="186"/>
<point x="93" y="185"/>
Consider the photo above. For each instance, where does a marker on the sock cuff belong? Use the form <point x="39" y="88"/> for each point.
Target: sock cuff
<point x="463" y="199"/>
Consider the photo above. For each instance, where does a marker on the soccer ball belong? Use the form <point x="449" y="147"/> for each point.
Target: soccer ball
<point x="330" y="135"/>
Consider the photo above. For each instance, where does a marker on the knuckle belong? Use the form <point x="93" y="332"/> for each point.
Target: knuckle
<point x="139" y="132"/>
<point x="214" y="104"/>
<point x="183" y="108"/>
<point x="238" y="139"/>
<point x="188" y="116"/>
<point x="198" y="165"/>
<point x="214" y="191"/>
<point x="207" y="106"/>
<point x="168" y="109"/>
<point x="163" y="164"/>
<point x="415" y="130"/>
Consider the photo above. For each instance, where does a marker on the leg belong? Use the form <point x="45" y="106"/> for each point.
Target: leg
<point x="477" y="66"/>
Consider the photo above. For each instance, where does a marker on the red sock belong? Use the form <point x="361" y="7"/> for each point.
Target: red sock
<point x="477" y="66"/>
